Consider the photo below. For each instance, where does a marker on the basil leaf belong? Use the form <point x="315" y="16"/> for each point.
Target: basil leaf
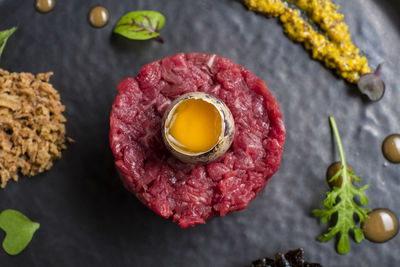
<point x="4" y="35"/>
<point x="141" y="25"/>
<point x="19" y="231"/>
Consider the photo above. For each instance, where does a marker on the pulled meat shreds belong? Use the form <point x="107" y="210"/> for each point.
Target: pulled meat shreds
<point x="32" y="130"/>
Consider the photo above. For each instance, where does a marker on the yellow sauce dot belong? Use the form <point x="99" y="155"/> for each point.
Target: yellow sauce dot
<point x="195" y="126"/>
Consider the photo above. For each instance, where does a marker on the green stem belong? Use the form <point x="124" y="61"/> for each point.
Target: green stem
<point x="340" y="147"/>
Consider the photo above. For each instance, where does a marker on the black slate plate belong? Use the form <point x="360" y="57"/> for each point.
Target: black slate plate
<point x="87" y="217"/>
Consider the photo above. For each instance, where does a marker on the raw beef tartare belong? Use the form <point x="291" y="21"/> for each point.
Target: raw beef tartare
<point x="191" y="194"/>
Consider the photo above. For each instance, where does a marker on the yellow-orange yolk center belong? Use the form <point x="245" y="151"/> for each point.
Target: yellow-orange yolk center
<point x="195" y="126"/>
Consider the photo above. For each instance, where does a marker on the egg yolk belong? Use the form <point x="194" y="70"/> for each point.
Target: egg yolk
<point x="195" y="126"/>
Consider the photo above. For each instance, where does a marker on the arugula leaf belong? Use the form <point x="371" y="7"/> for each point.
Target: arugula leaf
<point x="141" y="25"/>
<point x="4" y="35"/>
<point x="19" y="230"/>
<point x="341" y="201"/>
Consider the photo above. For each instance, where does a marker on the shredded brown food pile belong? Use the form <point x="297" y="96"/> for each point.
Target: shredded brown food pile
<point x="32" y="130"/>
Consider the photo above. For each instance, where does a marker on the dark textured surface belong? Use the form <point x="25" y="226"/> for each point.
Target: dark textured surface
<point x="87" y="217"/>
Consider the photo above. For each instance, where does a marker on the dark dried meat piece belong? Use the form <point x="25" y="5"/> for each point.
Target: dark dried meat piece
<point x="293" y="258"/>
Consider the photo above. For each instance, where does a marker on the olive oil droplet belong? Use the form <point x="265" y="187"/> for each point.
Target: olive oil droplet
<point x="332" y="170"/>
<point x="98" y="16"/>
<point x="391" y="148"/>
<point x="45" y="6"/>
<point x="381" y="225"/>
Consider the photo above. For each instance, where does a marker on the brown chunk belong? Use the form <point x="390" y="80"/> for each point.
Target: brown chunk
<point x="32" y="130"/>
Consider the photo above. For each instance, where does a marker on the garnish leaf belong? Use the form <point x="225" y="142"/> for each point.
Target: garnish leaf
<point x="358" y="235"/>
<point x="19" y="231"/>
<point x="4" y="35"/>
<point x="343" y="245"/>
<point x="141" y="25"/>
<point x="341" y="201"/>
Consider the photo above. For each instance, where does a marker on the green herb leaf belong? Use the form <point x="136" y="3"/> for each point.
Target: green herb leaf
<point x="141" y="25"/>
<point x="341" y="201"/>
<point x="19" y="231"/>
<point x="4" y="35"/>
<point x="358" y="235"/>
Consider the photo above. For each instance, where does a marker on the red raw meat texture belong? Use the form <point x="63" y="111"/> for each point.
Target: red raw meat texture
<point x="191" y="194"/>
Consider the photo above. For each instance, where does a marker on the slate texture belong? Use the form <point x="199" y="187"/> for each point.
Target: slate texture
<point x="88" y="219"/>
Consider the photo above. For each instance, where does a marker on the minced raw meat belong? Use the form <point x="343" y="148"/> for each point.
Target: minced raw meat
<point x="191" y="194"/>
